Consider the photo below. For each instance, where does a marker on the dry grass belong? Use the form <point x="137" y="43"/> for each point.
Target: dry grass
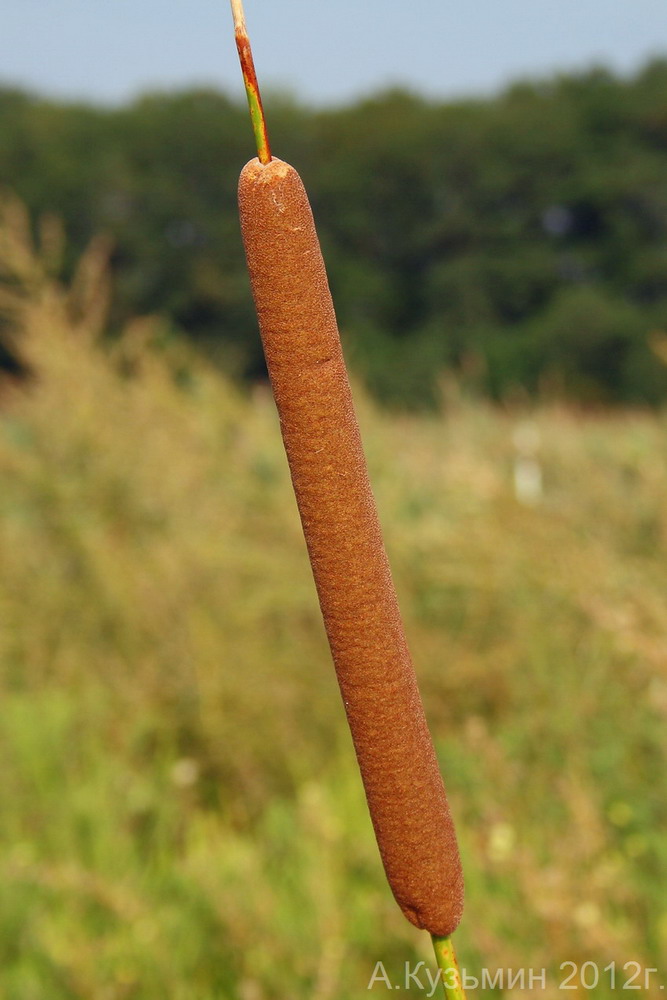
<point x="180" y="814"/>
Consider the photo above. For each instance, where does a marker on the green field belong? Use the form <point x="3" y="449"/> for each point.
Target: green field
<point x="180" y="813"/>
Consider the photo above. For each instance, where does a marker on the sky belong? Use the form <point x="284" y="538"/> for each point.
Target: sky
<point x="324" y="52"/>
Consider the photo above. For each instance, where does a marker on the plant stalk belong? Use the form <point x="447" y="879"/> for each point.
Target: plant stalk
<point x="448" y="968"/>
<point x="250" y="82"/>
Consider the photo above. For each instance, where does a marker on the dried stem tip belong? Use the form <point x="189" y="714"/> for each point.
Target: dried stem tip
<point x="239" y="17"/>
<point x="250" y="83"/>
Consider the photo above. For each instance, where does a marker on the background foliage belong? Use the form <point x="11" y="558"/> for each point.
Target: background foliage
<point x="180" y="811"/>
<point x="520" y="241"/>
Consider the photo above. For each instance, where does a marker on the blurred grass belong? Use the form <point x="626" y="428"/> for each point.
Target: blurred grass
<point x="180" y="813"/>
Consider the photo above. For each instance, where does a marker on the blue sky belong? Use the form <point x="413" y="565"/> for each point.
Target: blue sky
<point x="323" y="52"/>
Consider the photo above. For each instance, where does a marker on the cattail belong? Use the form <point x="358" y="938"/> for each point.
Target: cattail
<point x="406" y="797"/>
<point x="404" y="789"/>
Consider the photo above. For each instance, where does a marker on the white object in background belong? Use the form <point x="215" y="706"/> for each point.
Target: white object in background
<point x="528" y="485"/>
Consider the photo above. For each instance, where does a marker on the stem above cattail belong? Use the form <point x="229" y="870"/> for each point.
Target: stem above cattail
<point x="250" y="83"/>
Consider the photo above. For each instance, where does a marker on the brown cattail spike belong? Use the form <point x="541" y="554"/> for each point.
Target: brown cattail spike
<point x="405" y="792"/>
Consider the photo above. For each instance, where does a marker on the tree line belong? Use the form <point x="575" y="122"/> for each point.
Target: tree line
<point x="519" y="242"/>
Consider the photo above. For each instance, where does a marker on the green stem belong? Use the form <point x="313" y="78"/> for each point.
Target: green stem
<point x="254" y="98"/>
<point x="448" y="968"/>
<point x="250" y="82"/>
<point x="258" y="125"/>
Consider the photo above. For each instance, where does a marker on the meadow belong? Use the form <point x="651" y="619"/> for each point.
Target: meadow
<point x="180" y="811"/>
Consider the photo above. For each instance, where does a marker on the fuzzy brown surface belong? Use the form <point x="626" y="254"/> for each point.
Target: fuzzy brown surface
<point x="405" y="793"/>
